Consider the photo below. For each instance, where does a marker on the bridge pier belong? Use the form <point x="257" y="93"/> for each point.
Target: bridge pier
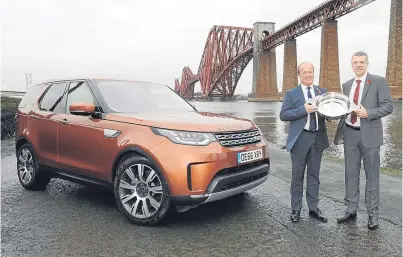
<point x="264" y="86"/>
<point x="394" y="64"/>
<point x="329" y="57"/>
<point x="290" y="77"/>
<point x="266" y="78"/>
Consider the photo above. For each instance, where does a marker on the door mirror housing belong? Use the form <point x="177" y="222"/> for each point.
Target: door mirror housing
<point x="82" y="108"/>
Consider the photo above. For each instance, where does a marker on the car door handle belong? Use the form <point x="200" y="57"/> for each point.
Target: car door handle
<point x="34" y="117"/>
<point x="63" y="122"/>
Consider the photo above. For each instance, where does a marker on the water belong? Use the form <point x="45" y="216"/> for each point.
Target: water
<point x="266" y="116"/>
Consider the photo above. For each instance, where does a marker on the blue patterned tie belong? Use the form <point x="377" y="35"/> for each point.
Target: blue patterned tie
<point x="312" y="125"/>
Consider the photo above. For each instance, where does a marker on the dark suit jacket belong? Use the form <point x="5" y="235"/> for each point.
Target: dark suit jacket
<point x="293" y="110"/>
<point x="377" y="101"/>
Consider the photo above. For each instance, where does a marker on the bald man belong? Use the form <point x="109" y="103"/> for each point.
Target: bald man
<point x="307" y="138"/>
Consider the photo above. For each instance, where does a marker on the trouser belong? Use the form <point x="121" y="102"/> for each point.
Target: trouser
<point x="354" y="151"/>
<point x="305" y="154"/>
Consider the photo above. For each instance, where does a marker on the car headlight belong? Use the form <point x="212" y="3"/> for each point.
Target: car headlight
<point x="186" y="137"/>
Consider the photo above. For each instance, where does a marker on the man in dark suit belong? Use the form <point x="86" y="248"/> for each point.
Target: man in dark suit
<point x="307" y="138"/>
<point x="362" y="134"/>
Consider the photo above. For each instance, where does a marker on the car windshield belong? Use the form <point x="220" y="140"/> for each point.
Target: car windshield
<point x="133" y="96"/>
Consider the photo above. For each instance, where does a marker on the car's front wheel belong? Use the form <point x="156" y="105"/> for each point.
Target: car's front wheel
<point x="141" y="191"/>
<point x="29" y="174"/>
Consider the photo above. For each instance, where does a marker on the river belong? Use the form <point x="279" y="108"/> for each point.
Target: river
<point x="266" y="116"/>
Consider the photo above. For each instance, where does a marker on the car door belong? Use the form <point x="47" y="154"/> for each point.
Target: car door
<point x="43" y="124"/>
<point x="80" y="138"/>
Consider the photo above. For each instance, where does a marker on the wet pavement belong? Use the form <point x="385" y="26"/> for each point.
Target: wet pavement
<point x="73" y="220"/>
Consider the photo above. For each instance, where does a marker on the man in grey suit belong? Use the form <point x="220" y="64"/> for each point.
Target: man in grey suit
<point x="307" y="138"/>
<point x="362" y="134"/>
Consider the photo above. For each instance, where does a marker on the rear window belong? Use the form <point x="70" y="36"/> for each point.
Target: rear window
<point x="32" y="95"/>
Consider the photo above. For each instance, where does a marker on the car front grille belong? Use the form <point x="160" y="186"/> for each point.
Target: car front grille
<point x="238" y="137"/>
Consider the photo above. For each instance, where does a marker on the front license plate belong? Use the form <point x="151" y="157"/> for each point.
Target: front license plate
<point x="250" y="156"/>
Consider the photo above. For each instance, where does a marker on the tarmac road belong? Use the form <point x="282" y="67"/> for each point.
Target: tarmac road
<point x="73" y="220"/>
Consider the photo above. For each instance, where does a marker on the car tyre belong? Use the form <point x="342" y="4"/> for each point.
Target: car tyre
<point x="141" y="191"/>
<point x="29" y="173"/>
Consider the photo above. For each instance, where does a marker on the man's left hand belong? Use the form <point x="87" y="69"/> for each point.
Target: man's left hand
<point x="361" y="112"/>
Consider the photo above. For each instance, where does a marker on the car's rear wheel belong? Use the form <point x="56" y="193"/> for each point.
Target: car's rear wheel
<point x="141" y="191"/>
<point x="29" y="173"/>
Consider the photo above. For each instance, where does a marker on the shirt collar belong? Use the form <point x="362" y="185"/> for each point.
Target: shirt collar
<point x="363" y="78"/>
<point x="305" y="87"/>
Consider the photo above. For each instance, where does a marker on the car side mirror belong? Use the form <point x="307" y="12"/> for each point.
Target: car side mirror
<point x="82" y="108"/>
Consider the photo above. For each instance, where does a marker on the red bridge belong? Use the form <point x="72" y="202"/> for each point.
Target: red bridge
<point x="228" y="50"/>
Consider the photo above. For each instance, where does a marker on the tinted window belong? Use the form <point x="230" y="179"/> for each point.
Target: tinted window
<point x="32" y="95"/>
<point x="79" y="92"/>
<point x="129" y="96"/>
<point x="52" y="100"/>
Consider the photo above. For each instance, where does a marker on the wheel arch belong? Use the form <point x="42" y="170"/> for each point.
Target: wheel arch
<point x="20" y="142"/>
<point x="141" y="152"/>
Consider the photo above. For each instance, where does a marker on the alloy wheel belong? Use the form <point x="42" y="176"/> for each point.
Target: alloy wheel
<point x="25" y="166"/>
<point x="140" y="191"/>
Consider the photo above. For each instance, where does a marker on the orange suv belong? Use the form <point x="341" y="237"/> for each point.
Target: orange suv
<point x="145" y="142"/>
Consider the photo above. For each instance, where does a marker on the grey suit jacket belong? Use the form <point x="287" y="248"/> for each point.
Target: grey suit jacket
<point x="293" y="110"/>
<point x="377" y="101"/>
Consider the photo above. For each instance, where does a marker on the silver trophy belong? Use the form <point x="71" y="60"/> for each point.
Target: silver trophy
<point x="333" y="105"/>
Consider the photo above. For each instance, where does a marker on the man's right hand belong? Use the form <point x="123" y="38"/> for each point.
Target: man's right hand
<point x="310" y="108"/>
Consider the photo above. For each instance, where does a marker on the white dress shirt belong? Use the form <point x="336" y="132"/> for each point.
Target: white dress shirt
<point x="305" y="91"/>
<point x="351" y="97"/>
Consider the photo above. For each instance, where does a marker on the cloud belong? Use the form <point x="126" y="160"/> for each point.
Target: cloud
<point x="154" y="40"/>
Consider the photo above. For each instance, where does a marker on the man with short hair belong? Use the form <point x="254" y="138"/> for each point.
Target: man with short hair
<point x="307" y="138"/>
<point x="362" y="134"/>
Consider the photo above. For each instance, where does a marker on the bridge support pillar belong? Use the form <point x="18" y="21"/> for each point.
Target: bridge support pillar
<point x="394" y="64"/>
<point x="290" y="78"/>
<point x="329" y="58"/>
<point x="266" y="78"/>
<point x="264" y="86"/>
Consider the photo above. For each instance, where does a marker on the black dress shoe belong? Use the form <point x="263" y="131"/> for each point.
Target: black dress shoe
<point x="348" y="216"/>
<point x="373" y="222"/>
<point x="318" y="215"/>
<point x="295" y="215"/>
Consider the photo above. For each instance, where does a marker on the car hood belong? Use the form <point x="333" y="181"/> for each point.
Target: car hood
<point x="189" y="121"/>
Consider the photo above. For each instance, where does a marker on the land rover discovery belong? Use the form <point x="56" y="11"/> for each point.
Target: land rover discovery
<point x="145" y="142"/>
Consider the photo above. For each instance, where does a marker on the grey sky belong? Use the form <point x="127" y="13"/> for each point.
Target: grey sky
<point x="153" y="40"/>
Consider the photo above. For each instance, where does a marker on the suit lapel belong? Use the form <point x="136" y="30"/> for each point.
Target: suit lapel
<point x="317" y="90"/>
<point x="301" y="94"/>
<point x="348" y="88"/>
<point x="366" y="87"/>
<point x="301" y="97"/>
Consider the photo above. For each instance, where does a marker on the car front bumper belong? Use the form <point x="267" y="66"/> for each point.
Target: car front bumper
<point x="192" y="170"/>
<point x="228" y="183"/>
